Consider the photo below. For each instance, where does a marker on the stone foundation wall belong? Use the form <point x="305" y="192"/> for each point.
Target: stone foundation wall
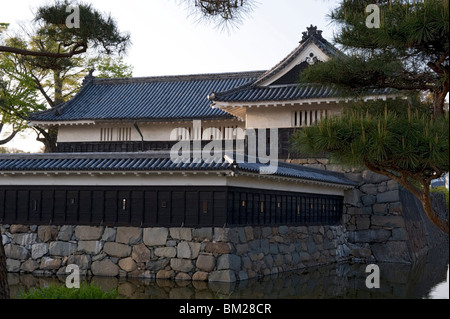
<point x="206" y="254"/>
<point x="384" y="221"/>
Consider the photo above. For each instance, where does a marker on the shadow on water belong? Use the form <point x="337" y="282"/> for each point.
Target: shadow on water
<point x="419" y="280"/>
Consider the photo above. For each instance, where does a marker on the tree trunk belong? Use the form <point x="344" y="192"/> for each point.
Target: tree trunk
<point x="425" y="199"/>
<point x="49" y="139"/>
<point x="439" y="99"/>
<point x="423" y="195"/>
<point x="4" y="287"/>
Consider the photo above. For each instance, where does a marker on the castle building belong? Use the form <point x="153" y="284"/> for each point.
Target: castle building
<point x="115" y="163"/>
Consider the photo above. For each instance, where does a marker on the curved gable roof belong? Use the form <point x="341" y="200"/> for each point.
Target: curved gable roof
<point x="148" y="98"/>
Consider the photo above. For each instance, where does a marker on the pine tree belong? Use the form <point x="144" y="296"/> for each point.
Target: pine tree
<point x="406" y="138"/>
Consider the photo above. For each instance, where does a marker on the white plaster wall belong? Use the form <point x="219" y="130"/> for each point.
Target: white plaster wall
<point x="150" y="130"/>
<point x="281" y="116"/>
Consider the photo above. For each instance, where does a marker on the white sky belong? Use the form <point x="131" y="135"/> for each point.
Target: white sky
<point x="166" y="41"/>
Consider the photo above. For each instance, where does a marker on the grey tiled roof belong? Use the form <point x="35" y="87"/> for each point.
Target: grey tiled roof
<point x="283" y="93"/>
<point x="154" y="161"/>
<point x="151" y="98"/>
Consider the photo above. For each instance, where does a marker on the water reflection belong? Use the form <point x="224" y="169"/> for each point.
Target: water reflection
<point x="427" y="278"/>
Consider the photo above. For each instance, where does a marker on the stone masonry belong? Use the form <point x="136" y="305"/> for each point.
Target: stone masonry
<point x="206" y="254"/>
<point x="384" y="221"/>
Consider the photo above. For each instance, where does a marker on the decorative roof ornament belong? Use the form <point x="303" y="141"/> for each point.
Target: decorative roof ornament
<point x="89" y="77"/>
<point x="311" y="31"/>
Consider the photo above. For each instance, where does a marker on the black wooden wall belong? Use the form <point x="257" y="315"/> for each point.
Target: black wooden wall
<point x="163" y="206"/>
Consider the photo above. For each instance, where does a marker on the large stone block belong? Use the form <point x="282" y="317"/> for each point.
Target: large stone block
<point x="155" y="265"/>
<point x="48" y="263"/>
<point x="117" y="250"/>
<point x="82" y="261"/>
<point x="88" y="232"/>
<point x="29" y="266"/>
<point x="38" y="250"/>
<point x="47" y="233"/>
<point x="181" y="233"/>
<point x="388" y="221"/>
<point x="188" y="250"/>
<point x="61" y="248"/>
<point x="141" y="253"/>
<point x="129" y="235"/>
<point x="165" y="274"/>
<point x="352" y="197"/>
<point x="109" y="234"/>
<point x="16" y="252"/>
<point x="370" y="236"/>
<point x="13" y="229"/>
<point x="127" y="264"/>
<point x="229" y="261"/>
<point x="65" y="233"/>
<point x="155" y="236"/>
<point x="220" y="248"/>
<point x="221" y="234"/>
<point x="204" y="233"/>
<point x="373" y="178"/>
<point x="392" y="251"/>
<point x="92" y="247"/>
<point x="169" y="252"/>
<point x="370" y="189"/>
<point x="181" y="264"/>
<point x="206" y="262"/>
<point x="388" y="197"/>
<point x="12" y="265"/>
<point x="222" y="276"/>
<point x="105" y="267"/>
<point x="24" y="239"/>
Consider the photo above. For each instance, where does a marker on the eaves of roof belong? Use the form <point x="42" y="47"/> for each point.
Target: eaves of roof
<point x="157" y="162"/>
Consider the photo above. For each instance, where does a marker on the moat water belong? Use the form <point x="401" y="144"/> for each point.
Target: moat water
<point x="428" y="278"/>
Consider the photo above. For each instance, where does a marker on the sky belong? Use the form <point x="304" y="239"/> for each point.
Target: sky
<point x="167" y="40"/>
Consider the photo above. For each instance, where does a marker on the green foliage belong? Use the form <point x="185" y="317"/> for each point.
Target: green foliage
<point x="109" y="67"/>
<point x="421" y="26"/>
<point x="410" y="50"/>
<point x="96" y="30"/>
<point x="86" y="291"/>
<point x="444" y="190"/>
<point x="398" y="134"/>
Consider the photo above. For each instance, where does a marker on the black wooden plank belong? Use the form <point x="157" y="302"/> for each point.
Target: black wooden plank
<point x="178" y="208"/>
<point x="137" y="204"/>
<point x="151" y="208"/>
<point x="35" y="207"/>
<point x="47" y="206"/>
<point x="2" y="205"/>
<point x="164" y="208"/>
<point x="110" y="215"/>
<point x="22" y="206"/>
<point x="98" y="207"/>
<point x="192" y="209"/>
<point x="219" y="212"/>
<point x="205" y="209"/>
<point x="123" y="207"/>
<point x="10" y="207"/>
<point x="72" y="207"/>
<point x="59" y="215"/>
<point x="85" y="207"/>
